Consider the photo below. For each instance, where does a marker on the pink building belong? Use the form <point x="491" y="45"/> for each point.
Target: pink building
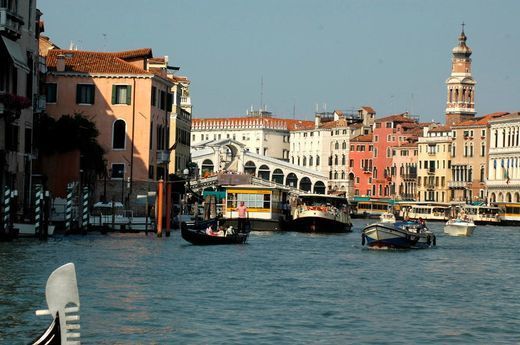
<point x="130" y="105"/>
<point x="404" y="164"/>
<point x="389" y="132"/>
<point x="360" y="159"/>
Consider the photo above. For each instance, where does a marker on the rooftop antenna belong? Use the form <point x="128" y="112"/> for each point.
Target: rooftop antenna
<point x="104" y="41"/>
<point x="261" y="92"/>
<point x="294" y="110"/>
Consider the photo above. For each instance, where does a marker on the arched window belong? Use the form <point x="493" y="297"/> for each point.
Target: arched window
<point x="310" y="161"/>
<point x="335" y="159"/>
<point x="304" y="161"/>
<point x="317" y="160"/>
<point x="342" y="175"/>
<point x="344" y="145"/>
<point x="336" y="146"/>
<point x="335" y="175"/>
<point x="343" y="160"/>
<point x="119" y="135"/>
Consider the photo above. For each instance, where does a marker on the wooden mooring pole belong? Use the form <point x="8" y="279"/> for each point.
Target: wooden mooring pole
<point x="159" y="207"/>
<point x="168" y="207"/>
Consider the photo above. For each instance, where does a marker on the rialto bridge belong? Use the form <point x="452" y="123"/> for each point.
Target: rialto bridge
<point x="231" y="156"/>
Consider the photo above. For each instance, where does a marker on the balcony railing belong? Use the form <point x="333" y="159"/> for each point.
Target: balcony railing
<point x="409" y="176"/>
<point x="10" y="23"/>
<point x="458" y="184"/>
<point x="431" y="171"/>
<point x="163" y="156"/>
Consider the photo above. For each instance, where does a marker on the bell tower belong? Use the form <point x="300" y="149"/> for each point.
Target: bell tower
<point x="460" y="103"/>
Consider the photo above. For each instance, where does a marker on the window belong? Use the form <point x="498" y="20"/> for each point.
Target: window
<point x="84" y="94"/>
<point x="154" y="96"/>
<point x="51" y="92"/>
<point x="118" y="171"/>
<point x="118" y="135"/>
<point x="121" y="94"/>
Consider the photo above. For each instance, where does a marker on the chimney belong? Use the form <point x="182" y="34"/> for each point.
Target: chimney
<point x="60" y="63"/>
<point x="317" y="120"/>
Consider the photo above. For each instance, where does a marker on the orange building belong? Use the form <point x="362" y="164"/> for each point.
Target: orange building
<point x="130" y="105"/>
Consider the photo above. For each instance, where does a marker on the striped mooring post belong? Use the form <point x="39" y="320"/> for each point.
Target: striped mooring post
<point x="38" y="196"/>
<point x="68" y="207"/>
<point x="84" y="209"/>
<point x="7" y="208"/>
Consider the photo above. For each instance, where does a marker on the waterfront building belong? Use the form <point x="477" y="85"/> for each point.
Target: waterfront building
<point x="460" y="102"/>
<point x="503" y="179"/>
<point x="389" y="132"/>
<point x="360" y="165"/>
<point x="259" y="132"/>
<point x="180" y="116"/>
<point x="434" y="163"/>
<point x="404" y="166"/>
<point x="469" y="159"/>
<point x="20" y="27"/>
<point x="326" y="147"/>
<point x="130" y="105"/>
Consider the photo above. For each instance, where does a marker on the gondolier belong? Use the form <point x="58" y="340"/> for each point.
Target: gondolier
<point x="242" y="216"/>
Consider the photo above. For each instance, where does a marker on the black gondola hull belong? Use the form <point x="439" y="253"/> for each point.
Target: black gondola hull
<point x="196" y="234"/>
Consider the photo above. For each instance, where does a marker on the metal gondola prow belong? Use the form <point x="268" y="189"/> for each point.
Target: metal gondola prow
<point x="62" y="298"/>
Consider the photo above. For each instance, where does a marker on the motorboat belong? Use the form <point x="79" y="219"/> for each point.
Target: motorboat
<point x="62" y="297"/>
<point x="398" y="235"/>
<point x="31" y="230"/>
<point x="319" y="213"/>
<point x="387" y="217"/>
<point x="459" y="227"/>
<point x="213" y="231"/>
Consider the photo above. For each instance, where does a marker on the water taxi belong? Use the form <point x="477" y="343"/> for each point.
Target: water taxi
<point x="264" y="205"/>
<point x="459" y="227"/>
<point x="319" y="213"/>
<point x="371" y="208"/>
<point x="424" y="210"/>
<point x="482" y="214"/>
<point x="511" y="213"/>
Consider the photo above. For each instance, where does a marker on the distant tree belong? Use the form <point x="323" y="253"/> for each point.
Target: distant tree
<point x="70" y="133"/>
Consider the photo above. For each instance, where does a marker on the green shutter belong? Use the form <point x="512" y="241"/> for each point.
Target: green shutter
<point x="114" y="94"/>
<point x="170" y="102"/>
<point x="128" y="94"/>
<point x="93" y="88"/>
<point x="78" y="96"/>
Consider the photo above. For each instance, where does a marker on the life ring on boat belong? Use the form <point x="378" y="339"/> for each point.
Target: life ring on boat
<point x="362" y="239"/>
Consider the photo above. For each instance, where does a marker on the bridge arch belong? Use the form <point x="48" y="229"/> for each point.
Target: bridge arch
<point x="278" y="176"/>
<point x="250" y="168"/>
<point x="319" y="187"/>
<point x="207" y="167"/>
<point x="263" y="172"/>
<point x="291" y="180"/>
<point x="305" y="184"/>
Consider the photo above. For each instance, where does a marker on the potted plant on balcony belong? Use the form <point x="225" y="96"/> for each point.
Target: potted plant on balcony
<point x="13" y="104"/>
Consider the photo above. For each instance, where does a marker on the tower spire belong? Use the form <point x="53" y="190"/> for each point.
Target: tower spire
<point x="460" y="103"/>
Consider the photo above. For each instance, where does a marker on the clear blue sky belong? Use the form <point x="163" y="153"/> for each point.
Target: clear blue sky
<point x="392" y="55"/>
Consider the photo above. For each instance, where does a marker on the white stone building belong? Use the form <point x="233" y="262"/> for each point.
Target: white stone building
<point x="503" y="181"/>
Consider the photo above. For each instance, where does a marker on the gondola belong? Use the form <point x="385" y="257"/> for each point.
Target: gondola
<point x="62" y="298"/>
<point x="196" y="233"/>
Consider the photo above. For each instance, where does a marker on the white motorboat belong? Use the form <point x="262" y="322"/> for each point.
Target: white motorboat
<point x="459" y="227"/>
<point x="387" y="217"/>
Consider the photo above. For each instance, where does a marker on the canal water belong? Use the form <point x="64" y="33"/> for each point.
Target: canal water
<point x="280" y="288"/>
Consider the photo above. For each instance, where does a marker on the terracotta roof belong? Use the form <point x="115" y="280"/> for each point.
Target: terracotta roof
<point x="509" y="116"/>
<point x="335" y="124"/>
<point x="363" y="138"/>
<point x="157" y="60"/>
<point x="45" y="44"/>
<point x="368" y="109"/>
<point x="92" y="62"/>
<point x="441" y="129"/>
<point x="356" y="126"/>
<point x="289" y="124"/>
<point x="481" y="121"/>
<point x="395" y="118"/>
<point x="141" y="53"/>
<point x="180" y="79"/>
<point x="407" y="145"/>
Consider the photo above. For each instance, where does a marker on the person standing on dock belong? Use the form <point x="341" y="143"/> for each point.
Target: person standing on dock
<point x="242" y="216"/>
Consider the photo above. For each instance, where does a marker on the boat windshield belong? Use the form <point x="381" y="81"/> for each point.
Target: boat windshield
<point x="323" y="200"/>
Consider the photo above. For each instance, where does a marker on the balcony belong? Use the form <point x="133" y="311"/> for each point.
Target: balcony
<point x="458" y="184"/>
<point x="431" y="171"/>
<point x="10" y="23"/>
<point x="163" y="156"/>
<point x="430" y="186"/>
<point x="409" y="176"/>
